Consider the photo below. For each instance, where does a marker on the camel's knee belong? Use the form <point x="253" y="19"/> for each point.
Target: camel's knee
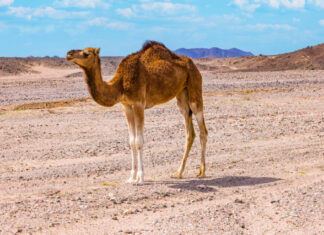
<point x="201" y="123"/>
<point x="203" y="136"/>
<point x="139" y="142"/>
<point x="132" y="143"/>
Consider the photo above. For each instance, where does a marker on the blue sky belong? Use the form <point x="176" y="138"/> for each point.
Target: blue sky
<point x="52" y="27"/>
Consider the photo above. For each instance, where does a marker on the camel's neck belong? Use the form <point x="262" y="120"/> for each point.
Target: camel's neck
<point x="106" y="94"/>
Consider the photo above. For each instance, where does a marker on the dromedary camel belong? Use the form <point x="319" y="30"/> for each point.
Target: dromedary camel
<point x="149" y="77"/>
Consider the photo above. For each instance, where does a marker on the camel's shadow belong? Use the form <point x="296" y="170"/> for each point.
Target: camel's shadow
<point x="205" y="185"/>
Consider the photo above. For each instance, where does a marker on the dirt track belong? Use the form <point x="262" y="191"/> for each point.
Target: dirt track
<point x="63" y="168"/>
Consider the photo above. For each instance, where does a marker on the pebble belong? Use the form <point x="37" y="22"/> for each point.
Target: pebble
<point x="275" y="201"/>
<point x="238" y="201"/>
<point x="202" y="187"/>
<point x="128" y="212"/>
<point x="155" y="191"/>
<point x="165" y="194"/>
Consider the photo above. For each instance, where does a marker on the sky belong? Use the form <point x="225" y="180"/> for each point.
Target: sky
<point x="52" y="27"/>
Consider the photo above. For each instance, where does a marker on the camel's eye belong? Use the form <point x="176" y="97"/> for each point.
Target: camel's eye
<point x="86" y="54"/>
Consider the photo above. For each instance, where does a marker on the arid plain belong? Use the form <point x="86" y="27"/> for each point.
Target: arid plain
<point x="64" y="158"/>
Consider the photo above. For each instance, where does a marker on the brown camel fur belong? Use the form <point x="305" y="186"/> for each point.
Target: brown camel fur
<point x="149" y="77"/>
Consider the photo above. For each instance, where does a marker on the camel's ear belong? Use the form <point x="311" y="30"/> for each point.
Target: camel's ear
<point x="97" y="51"/>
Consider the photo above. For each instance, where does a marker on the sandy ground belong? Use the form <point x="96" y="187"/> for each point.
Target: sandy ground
<point x="63" y="168"/>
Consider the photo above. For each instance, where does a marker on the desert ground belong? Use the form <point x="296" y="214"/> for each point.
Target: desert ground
<point x="65" y="159"/>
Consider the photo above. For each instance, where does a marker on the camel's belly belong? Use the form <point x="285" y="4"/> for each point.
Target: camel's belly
<point x="164" y="90"/>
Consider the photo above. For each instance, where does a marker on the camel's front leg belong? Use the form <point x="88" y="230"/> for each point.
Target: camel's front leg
<point x="139" y="141"/>
<point x="129" y="113"/>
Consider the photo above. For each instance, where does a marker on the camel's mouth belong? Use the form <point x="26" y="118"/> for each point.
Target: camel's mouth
<point x="68" y="57"/>
<point x="72" y="54"/>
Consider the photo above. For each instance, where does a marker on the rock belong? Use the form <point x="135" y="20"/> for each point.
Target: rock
<point x="165" y="194"/>
<point x="155" y="191"/>
<point x="128" y="212"/>
<point x="124" y="199"/>
<point x="17" y="230"/>
<point x="202" y="187"/>
<point x="111" y="196"/>
<point x="238" y="201"/>
<point x="275" y="201"/>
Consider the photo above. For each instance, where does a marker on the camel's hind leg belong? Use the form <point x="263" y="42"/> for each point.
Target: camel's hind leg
<point x="197" y="109"/>
<point x="183" y="104"/>
<point x="196" y="105"/>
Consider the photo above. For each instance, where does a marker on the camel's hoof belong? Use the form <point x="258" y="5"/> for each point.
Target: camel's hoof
<point x="176" y="175"/>
<point x="201" y="175"/>
<point x="140" y="177"/>
<point x="131" y="181"/>
<point x="139" y="181"/>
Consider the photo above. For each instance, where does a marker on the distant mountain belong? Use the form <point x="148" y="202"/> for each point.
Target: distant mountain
<point x="309" y="58"/>
<point x="212" y="52"/>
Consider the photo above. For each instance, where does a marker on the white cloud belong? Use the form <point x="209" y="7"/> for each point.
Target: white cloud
<point x="293" y="3"/>
<point x="81" y="3"/>
<point x="119" y="25"/>
<point x="6" y="2"/>
<point x="321" y="22"/>
<point x="166" y="8"/>
<point x="231" y="18"/>
<point x="252" y="5"/>
<point x="262" y="27"/>
<point x="99" y="21"/>
<point x="274" y="3"/>
<point x="104" y="22"/>
<point x="29" y="13"/>
<point x="126" y="12"/>
<point x="148" y="8"/>
<point x="186" y="19"/>
<point x="26" y="28"/>
<point x="319" y="3"/>
<point x="296" y="20"/>
<point x="246" y="5"/>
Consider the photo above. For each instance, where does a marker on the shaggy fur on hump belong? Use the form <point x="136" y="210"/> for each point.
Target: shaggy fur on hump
<point x="148" y="44"/>
<point x="150" y="51"/>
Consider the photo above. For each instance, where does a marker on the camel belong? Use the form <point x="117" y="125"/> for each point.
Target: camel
<point x="151" y="76"/>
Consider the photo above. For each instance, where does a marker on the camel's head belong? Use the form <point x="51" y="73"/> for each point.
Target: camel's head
<point x="85" y="58"/>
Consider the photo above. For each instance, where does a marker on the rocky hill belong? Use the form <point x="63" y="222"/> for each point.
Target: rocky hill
<point x="309" y="58"/>
<point x="212" y="52"/>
